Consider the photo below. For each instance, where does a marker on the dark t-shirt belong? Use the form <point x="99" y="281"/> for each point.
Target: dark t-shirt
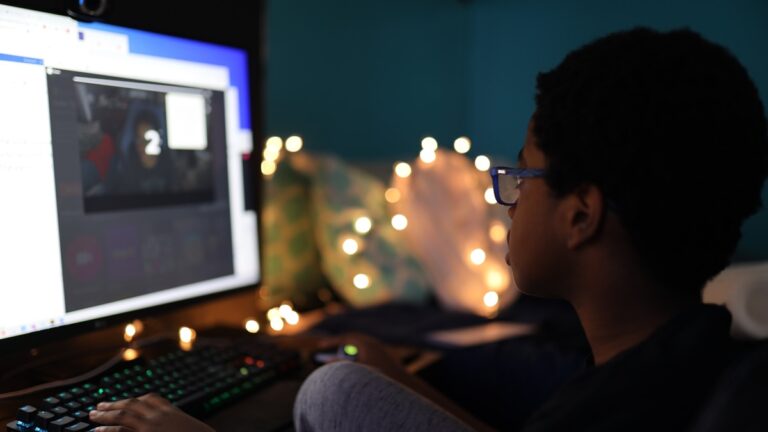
<point x="658" y="385"/>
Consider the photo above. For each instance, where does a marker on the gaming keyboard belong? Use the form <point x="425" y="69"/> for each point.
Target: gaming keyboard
<point x="199" y="382"/>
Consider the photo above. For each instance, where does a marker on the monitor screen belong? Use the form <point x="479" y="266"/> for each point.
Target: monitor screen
<point x="123" y="171"/>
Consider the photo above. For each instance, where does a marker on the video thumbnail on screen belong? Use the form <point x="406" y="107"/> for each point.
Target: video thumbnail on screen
<point x="142" y="145"/>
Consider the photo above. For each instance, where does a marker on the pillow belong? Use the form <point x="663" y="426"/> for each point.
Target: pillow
<point x="743" y="289"/>
<point x="292" y="268"/>
<point x="448" y="218"/>
<point x="340" y="195"/>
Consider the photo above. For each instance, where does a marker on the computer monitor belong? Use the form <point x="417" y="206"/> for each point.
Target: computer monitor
<point x="124" y="172"/>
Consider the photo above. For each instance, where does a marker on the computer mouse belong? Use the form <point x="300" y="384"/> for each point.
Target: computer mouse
<point x="342" y="352"/>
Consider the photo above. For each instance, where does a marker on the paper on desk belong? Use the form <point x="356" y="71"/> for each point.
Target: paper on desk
<point x="481" y="334"/>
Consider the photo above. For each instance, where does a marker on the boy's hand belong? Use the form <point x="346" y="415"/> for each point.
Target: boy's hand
<point x="148" y="413"/>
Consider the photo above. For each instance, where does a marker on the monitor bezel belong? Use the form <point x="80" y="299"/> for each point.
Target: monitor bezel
<point x="130" y="14"/>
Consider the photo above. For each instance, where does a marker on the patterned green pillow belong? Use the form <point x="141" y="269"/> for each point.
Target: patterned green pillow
<point x="340" y="195"/>
<point x="292" y="262"/>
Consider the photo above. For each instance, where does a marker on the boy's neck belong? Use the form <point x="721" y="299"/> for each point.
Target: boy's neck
<point x="619" y="317"/>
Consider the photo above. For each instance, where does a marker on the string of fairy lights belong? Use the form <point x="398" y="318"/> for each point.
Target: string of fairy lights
<point x="353" y="243"/>
<point x="361" y="226"/>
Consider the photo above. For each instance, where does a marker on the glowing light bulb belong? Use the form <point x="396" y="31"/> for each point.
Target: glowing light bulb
<point x="399" y="222"/>
<point x="130" y="332"/>
<point x="349" y="246"/>
<point x="285" y="310"/>
<point x="427" y="156"/>
<point x="276" y="324"/>
<point x="392" y="195"/>
<point x="482" y="163"/>
<point x="495" y="279"/>
<point x="429" y="144"/>
<point x="477" y="256"/>
<point x="402" y="169"/>
<point x="130" y="354"/>
<point x="292" y="318"/>
<point x="498" y="232"/>
<point x="273" y="313"/>
<point x="294" y="143"/>
<point x="274" y="142"/>
<point x="268" y="167"/>
<point x="271" y="154"/>
<point x="363" y="225"/>
<point x="361" y="281"/>
<point x="252" y="326"/>
<point x="462" y="145"/>
<point x="491" y="298"/>
<point x="490" y="198"/>
<point x="186" y="335"/>
<point x="138" y="325"/>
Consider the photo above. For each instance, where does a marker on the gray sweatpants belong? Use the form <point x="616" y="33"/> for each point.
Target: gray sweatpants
<point x="345" y="396"/>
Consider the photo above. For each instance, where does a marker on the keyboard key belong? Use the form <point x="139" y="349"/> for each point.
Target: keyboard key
<point x="64" y="396"/>
<point x="58" y="410"/>
<point x="78" y="427"/>
<point x="80" y="414"/>
<point x="26" y="414"/>
<point x="43" y="418"/>
<point x="59" y="424"/>
<point x="50" y="402"/>
<point x="72" y="405"/>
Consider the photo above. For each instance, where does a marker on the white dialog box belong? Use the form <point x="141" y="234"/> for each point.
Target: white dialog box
<point x="185" y="114"/>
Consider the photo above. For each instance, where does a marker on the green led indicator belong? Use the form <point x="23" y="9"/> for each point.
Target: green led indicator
<point x="244" y="371"/>
<point x="350" y="350"/>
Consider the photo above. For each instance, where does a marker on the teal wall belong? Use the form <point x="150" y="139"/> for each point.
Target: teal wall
<point x="367" y="80"/>
<point x="513" y="40"/>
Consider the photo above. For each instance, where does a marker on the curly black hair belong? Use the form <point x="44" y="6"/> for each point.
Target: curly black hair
<point x="671" y="128"/>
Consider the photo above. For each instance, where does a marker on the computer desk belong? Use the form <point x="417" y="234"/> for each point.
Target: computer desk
<point x="268" y="409"/>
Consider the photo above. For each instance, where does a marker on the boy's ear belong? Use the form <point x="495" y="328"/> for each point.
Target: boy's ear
<point x="584" y="215"/>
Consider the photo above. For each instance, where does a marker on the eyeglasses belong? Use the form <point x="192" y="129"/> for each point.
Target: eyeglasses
<point x="506" y="182"/>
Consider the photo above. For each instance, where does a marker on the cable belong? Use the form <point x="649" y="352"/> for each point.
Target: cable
<point x="87" y="375"/>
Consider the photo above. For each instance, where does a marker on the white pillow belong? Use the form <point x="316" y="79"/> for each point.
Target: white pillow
<point x="743" y="289"/>
<point x="448" y="217"/>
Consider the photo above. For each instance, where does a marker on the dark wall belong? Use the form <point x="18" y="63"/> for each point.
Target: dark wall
<point x="367" y="80"/>
<point x="513" y="40"/>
